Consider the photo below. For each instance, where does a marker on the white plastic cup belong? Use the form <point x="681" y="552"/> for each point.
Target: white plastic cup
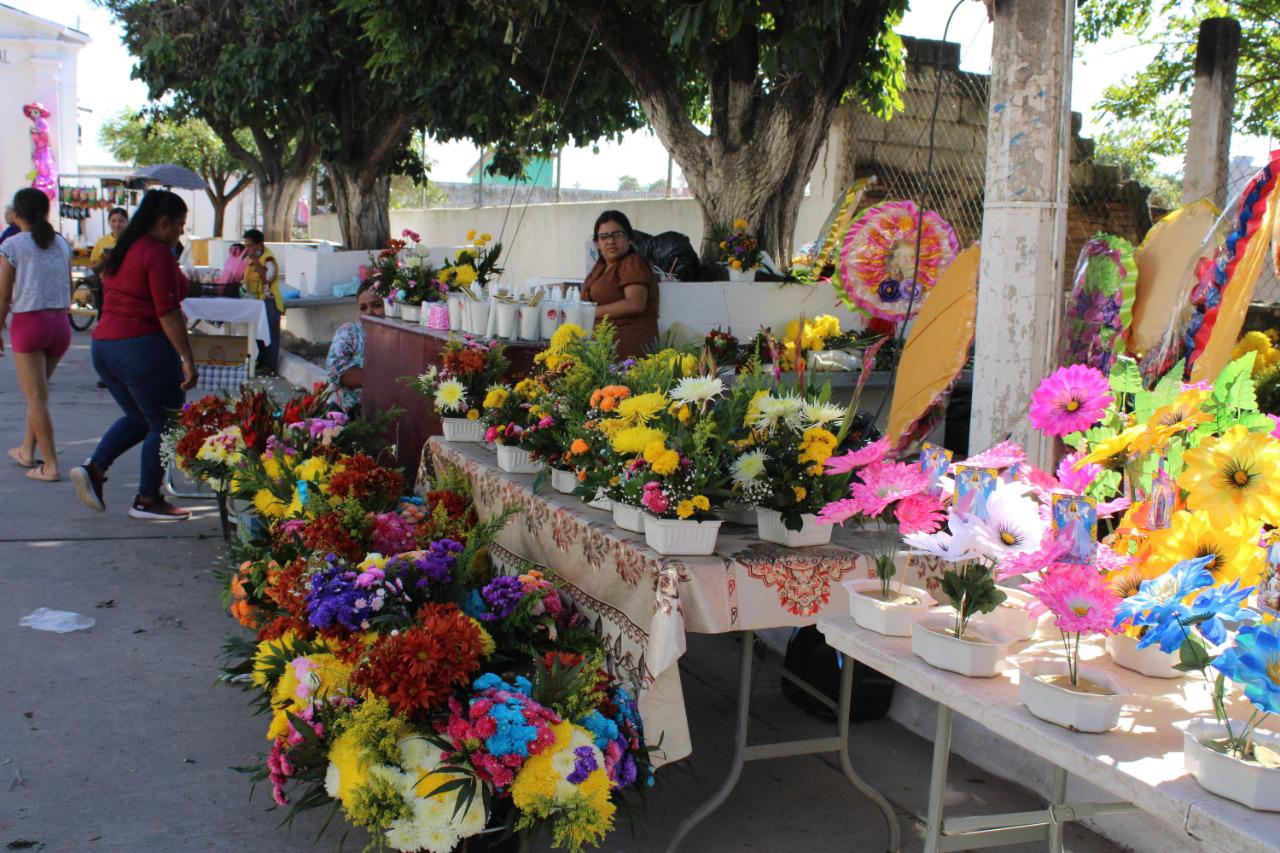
<point x="456" y="304"/>
<point x="506" y="319"/>
<point x="550" y="318"/>
<point x="587" y="316"/>
<point x="485" y="318"/>
<point x="529" y="318"/>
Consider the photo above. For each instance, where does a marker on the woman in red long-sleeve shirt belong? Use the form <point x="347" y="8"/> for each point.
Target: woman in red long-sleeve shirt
<point x="141" y="351"/>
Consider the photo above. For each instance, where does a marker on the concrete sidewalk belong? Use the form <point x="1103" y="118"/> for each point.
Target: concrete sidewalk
<point x="120" y="739"/>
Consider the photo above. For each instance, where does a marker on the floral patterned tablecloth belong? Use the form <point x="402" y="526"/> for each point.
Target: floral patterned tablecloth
<point x="643" y="603"/>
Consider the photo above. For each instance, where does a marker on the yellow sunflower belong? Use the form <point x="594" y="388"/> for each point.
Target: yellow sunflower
<point x="1236" y="475"/>
<point x="1234" y="547"/>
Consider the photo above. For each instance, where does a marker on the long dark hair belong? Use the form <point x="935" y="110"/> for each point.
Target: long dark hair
<point x="32" y="206"/>
<point x="155" y="203"/>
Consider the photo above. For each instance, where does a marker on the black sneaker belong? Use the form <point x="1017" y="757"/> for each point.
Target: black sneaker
<point x="88" y="481"/>
<point x="157" y="509"/>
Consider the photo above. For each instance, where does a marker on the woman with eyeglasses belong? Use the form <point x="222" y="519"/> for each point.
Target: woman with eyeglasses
<point x="623" y="286"/>
<point x="345" y="362"/>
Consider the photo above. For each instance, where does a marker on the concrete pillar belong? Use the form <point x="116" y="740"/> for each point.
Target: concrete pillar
<point x="1212" y="103"/>
<point x="1024" y="219"/>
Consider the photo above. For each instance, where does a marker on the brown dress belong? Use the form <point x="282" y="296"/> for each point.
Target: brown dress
<point x="604" y="285"/>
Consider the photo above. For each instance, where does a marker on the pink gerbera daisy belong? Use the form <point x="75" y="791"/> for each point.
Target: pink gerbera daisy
<point x="838" y="512"/>
<point x="1004" y="455"/>
<point x="1078" y="598"/>
<point x="919" y="513"/>
<point x="1050" y="550"/>
<point x="1076" y="480"/>
<point x="1071" y="400"/>
<point x="854" y="459"/>
<point x="886" y="482"/>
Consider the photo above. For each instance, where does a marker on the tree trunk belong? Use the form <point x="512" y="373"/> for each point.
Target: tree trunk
<point x="219" y="215"/>
<point x="219" y="197"/>
<point x="363" y="198"/>
<point x="279" y="200"/>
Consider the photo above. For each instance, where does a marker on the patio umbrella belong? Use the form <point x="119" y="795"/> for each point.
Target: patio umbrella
<point x="170" y="175"/>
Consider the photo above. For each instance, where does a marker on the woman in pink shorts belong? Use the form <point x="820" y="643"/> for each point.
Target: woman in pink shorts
<point x="35" y="283"/>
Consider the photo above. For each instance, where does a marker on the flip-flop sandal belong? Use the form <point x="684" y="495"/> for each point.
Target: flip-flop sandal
<point x="37" y="473"/>
<point x="15" y="453"/>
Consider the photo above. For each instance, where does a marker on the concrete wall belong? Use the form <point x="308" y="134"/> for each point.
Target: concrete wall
<point x="551" y="239"/>
<point x="37" y="63"/>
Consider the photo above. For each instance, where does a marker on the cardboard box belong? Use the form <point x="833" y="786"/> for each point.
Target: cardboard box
<point x="219" y="349"/>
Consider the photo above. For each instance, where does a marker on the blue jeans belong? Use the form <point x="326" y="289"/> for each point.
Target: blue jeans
<point x="269" y="356"/>
<point x="144" y="375"/>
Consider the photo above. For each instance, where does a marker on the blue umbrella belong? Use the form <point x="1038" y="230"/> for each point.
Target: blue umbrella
<point x="170" y="175"/>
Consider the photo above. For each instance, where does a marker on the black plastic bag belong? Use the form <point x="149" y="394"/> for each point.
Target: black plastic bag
<point x="671" y="252"/>
<point x="810" y="659"/>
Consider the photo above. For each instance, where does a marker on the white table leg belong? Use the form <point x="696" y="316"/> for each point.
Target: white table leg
<point x="1058" y="800"/>
<point x="938" y="779"/>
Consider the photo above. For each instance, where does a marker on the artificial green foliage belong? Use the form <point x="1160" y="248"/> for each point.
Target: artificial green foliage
<point x="970" y="589"/>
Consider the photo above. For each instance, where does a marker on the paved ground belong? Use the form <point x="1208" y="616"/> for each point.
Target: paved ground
<point x="120" y="739"/>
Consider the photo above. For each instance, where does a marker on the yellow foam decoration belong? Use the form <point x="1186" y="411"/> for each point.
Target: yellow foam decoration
<point x="938" y="346"/>
<point x="1236" y="297"/>
<point x="838" y="221"/>
<point x="1165" y="259"/>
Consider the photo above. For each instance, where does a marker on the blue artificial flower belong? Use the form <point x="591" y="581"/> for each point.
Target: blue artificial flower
<point x="1158" y="603"/>
<point x="602" y="729"/>
<point x="1253" y="662"/>
<point x="1218" y="605"/>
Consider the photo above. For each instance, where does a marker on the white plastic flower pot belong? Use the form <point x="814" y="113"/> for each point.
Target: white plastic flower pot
<point x="516" y="460"/>
<point x="1247" y="782"/>
<point x="890" y="618"/>
<point x="506" y="319"/>
<point x="1011" y="617"/>
<point x="456" y="304"/>
<point x="562" y="481"/>
<point x="772" y="529"/>
<point x="742" y="275"/>
<point x="601" y="503"/>
<point x="982" y="656"/>
<point x="675" y="537"/>
<point x="410" y="313"/>
<point x="463" y="430"/>
<point x="1150" y="661"/>
<point x="1062" y="705"/>
<point x="736" y="513"/>
<point x="628" y="517"/>
<point x="390" y="308"/>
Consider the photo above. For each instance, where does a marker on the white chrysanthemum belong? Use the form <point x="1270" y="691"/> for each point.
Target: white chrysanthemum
<point x="331" y="776"/>
<point x="822" y="414"/>
<point x="772" y="412"/>
<point x="451" y="396"/>
<point x="748" y="467"/>
<point x="697" y="389"/>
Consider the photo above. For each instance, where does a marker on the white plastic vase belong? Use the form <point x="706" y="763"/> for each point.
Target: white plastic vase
<point x="456" y="305"/>
<point x="674" y="537"/>
<point x="390" y="308"/>
<point x="1246" y="782"/>
<point x="516" y="460"/>
<point x="742" y="275"/>
<point x="587" y="317"/>
<point x="933" y="642"/>
<point x="1150" y="661"/>
<point x="628" y="517"/>
<point x="549" y="319"/>
<point x="772" y="529"/>
<point x="463" y="430"/>
<point x="884" y="617"/>
<point x="410" y="313"/>
<point x="563" y="481"/>
<point x="529" y="315"/>
<point x="1062" y="706"/>
<point x="506" y="319"/>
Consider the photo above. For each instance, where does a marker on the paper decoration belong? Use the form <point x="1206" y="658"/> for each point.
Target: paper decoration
<point x="936" y="350"/>
<point x="46" y="170"/>
<point x="1235" y="274"/>
<point x="1165" y="260"/>
<point x="1100" y="307"/>
<point x="837" y="223"/>
<point x="879" y="258"/>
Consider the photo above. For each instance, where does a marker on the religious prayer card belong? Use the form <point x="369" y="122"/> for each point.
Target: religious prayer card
<point x="1075" y="519"/>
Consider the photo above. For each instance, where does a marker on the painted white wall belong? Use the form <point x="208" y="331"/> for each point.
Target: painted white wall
<point x="550" y="239"/>
<point x="37" y="63"/>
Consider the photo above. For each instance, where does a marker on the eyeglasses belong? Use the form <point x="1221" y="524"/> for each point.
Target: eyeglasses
<point x="610" y="235"/>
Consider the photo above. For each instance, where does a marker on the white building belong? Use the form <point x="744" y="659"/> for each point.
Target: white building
<point x="37" y="63"/>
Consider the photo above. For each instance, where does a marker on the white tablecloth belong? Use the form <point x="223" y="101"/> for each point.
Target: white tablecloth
<point x="251" y="312"/>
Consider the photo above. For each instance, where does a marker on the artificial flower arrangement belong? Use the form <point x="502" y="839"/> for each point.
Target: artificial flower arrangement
<point x="425" y="697"/>
<point x="474" y="264"/>
<point x="739" y="249"/>
<point x="457" y="387"/>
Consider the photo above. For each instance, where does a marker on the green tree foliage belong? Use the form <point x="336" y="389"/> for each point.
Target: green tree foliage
<point x="144" y="140"/>
<point x="628" y="183"/>
<point x="1155" y="102"/>
<point x="1127" y="146"/>
<point x="763" y="77"/>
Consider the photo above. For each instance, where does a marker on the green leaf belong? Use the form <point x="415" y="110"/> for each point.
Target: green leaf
<point x="1192" y="655"/>
<point x="1125" y="378"/>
